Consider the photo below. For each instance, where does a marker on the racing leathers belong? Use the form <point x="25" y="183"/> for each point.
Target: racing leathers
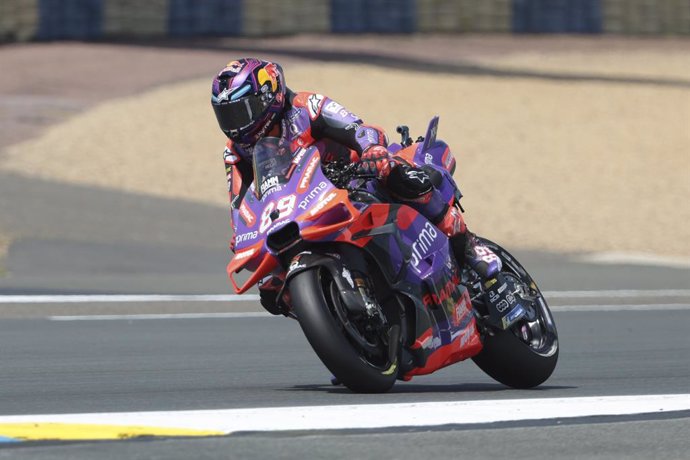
<point x="313" y="119"/>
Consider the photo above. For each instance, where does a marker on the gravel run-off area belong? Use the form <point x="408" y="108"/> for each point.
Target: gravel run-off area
<point x="564" y="165"/>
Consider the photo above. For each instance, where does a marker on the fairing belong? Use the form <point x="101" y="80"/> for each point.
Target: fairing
<point x="411" y="253"/>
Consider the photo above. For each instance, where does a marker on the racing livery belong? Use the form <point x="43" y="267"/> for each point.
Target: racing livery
<point x="374" y="284"/>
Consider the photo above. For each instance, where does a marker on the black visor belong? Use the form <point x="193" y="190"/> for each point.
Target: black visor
<point x="238" y="116"/>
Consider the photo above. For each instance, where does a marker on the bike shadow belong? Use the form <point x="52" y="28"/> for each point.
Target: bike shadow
<point x="413" y="388"/>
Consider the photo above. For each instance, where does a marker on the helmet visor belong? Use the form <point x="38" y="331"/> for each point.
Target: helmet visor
<point x="237" y="116"/>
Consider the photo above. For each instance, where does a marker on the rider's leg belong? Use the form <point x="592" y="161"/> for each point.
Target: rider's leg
<point x="414" y="187"/>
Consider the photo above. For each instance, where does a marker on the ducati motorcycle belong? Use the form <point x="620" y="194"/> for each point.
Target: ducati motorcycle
<point x="375" y="286"/>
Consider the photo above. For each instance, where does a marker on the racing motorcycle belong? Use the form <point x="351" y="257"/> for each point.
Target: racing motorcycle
<point x="375" y="286"/>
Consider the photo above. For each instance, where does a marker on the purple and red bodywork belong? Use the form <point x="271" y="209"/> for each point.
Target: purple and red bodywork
<point x="413" y="255"/>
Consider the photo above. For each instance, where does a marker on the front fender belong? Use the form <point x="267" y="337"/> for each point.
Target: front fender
<point x="342" y="276"/>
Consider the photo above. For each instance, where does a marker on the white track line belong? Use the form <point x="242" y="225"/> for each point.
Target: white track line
<point x="146" y="298"/>
<point x="634" y="258"/>
<point x="236" y="315"/>
<point x="617" y="294"/>
<point x="369" y="416"/>
<point x="107" y="298"/>
<point x="135" y="317"/>
<point x="621" y="307"/>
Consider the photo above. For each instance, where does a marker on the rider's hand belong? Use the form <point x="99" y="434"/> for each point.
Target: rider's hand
<point x="376" y="160"/>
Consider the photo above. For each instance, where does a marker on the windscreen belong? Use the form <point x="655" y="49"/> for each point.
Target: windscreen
<point x="272" y="165"/>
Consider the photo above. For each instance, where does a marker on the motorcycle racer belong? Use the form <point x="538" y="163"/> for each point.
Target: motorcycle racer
<point x="251" y="100"/>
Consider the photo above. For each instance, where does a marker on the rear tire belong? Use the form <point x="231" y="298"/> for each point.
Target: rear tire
<point x="511" y="359"/>
<point x="315" y="311"/>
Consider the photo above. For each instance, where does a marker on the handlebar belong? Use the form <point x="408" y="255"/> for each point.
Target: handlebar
<point x="342" y="173"/>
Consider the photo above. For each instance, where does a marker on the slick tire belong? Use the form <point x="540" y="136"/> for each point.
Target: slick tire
<point x="511" y="362"/>
<point x="505" y="357"/>
<point x="326" y="337"/>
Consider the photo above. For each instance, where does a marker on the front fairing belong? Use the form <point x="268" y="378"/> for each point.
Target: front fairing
<point x="286" y="190"/>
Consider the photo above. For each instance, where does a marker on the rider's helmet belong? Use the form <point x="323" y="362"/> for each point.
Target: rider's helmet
<point x="248" y="96"/>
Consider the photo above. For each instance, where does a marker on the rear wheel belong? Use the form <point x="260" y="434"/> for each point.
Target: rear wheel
<point x="525" y="355"/>
<point x="361" y="352"/>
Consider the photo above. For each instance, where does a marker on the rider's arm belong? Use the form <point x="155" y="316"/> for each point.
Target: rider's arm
<point x="330" y="120"/>
<point x="239" y="175"/>
<point x="369" y="142"/>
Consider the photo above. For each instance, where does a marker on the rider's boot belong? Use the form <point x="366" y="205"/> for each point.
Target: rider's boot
<point x="413" y="186"/>
<point x="467" y="247"/>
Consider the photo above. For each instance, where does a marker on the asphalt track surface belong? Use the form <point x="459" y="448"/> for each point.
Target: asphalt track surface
<point x="52" y="367"/>
<point x="75" y="240"/>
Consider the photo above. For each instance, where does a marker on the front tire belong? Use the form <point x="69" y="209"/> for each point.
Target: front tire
<point x="525" y="355"/>
<point x="315" y="306"/>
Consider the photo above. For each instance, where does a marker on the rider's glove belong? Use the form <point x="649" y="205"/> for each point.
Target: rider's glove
<point x="376" y="160"/>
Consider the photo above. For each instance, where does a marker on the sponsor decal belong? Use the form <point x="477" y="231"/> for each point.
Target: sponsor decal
<point x="245" y="254"/>
<point x="295" y="265"/>
<point x="421" y="176"/>
<point x="268" y="183"/>
<point x="233" y="66"/>
<point x="235" y="200"/>
<point x="223" y="96"/>
<point x="292" y="118"/>
<point x="432" y="133"/>
<point x="502" y="305"/>
<point x="308" y="173"/>
<point x="428" y="159"/>
<point x="447" y="158"/>
<point x="322" y="204"/>
<point x="298" y="156"/>
<point x="466" y="334"/>
<point x="460" y="309"/>
<point x="372" y="136"/>
<point x="268" y="75"/>
<point x="333" y="107"/>
<point x="229" y="156"/>
<point x="513" y="316"/>
<point x="273" y="190"/>
<point x="277" y="224"/>
<point x="316" y="191"/>
<point x="348" y="277"/>
<point x="247" y="215"/>
<point x="444" y="294"/>
<point x="337" y="109"/>
<point x="423" y="243"/>
<point x="314" y="103"/>
<point x="246" y="237"/>
<point x="432" y="343"/>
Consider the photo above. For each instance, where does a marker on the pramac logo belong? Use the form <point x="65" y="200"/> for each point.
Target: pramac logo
<point x="247" y="215"/>
<point x="308" y="173"/>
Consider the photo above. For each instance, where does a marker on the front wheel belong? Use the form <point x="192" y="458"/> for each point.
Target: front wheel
<point x="356" y="352"/>
<point x="525" y="355"/>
